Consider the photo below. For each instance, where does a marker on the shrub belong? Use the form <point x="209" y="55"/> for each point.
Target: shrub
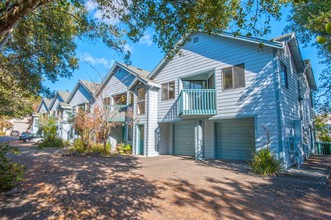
<point x="265" y="163"/>
<point x="56" y="142"/>
<point x="79" y="147"/>
<point x="123" y="148"/>
<point x="10" y="172"/>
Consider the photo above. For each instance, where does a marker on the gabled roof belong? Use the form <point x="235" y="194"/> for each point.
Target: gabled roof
<point x="91" y="87"/>
<point x="310" y="75"/>
<point x="46" y="102"/>
<point x="291" y="41"/>
<point x="303" y="66"/>
<point x="139" y="73"/>
<point x="63" y="96"/>
<point x="269" y="43"/>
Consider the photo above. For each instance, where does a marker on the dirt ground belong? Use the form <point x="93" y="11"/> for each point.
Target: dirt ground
<point x="165" y="187"/>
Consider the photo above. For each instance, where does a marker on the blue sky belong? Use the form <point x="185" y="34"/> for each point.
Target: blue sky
<point x="96" y="58"/>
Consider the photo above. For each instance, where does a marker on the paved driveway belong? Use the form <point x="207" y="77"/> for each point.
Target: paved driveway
<point x="164" y="187"/>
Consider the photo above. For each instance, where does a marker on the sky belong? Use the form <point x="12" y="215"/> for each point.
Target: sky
<point x="96" y="59"/>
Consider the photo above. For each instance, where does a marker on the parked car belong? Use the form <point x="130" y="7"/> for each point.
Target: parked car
<point x="23" y="134"/>
<point x="37" y="139"/>
<point x="15" y="133"/>
<point x="28" y="137"/>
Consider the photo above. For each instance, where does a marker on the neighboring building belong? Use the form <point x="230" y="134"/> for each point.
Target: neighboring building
<point x="19" y="124"/>
<point x="81" y="97"/>
<point x="58" y="109"/>
<point x="42" y="112"/>
<point x="115" y="92"/>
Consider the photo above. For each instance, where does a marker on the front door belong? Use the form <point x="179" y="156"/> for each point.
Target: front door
<point x="140" y="135"/>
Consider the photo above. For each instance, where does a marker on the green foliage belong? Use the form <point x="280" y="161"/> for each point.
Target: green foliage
<point x="322" y="131"/>
<point x="10" y="172"/>
<point x="123" y="148"/>
<point x="265" y="163"/>
<point x="56" y="142"/>
<point x="81" y="148"/>
<point x="308" y="19"/>
<point x="48" y="128"/>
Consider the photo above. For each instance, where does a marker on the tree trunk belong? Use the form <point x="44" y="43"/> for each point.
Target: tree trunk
<point x="13" y="15"/>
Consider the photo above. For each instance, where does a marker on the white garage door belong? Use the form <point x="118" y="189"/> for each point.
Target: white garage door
<point x="235" y="139"/>
<point x="184" y="138"/>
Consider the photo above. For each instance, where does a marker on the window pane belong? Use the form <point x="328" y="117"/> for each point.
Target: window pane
<point x="186" y="84"/>
<point x="130" y="133"/>
<point x="171" y="90"/>
<point x="141" y="94"/>
<point x="211" y="82"/>
<point x="120" y="99"/>
<point x="227" y="78"/>
<point x="239" y="76"/>
<point x="283" y="75"/>
<point x="164" y="91"/>
<point x="141" y="108"/>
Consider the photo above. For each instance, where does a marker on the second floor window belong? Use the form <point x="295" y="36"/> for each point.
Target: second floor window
<point x="141" y="101"/>
<point x="106" y="102"/>
<point x="168" y="91"/>
<point x="120" y="99"/>
<point x="234" y="77"/>
<point x="283" y="75"/>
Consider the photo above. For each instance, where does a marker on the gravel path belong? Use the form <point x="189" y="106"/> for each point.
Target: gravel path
<point x="167" y="187"/>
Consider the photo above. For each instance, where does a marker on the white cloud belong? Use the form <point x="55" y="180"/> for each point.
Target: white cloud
<point x="91" y="5"/>
<point x="146" y="39"/>
<point x="97" y="61"/>
<point x="129" y="48"/>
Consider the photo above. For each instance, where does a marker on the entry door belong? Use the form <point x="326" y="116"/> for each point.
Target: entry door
<point x="140" y="135"/>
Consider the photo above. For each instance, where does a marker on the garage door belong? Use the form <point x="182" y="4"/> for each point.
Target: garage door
<point x="235" y="139"/>
<point x="184" y="138"/>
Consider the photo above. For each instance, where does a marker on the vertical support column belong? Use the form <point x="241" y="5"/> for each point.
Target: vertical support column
<point x="198" y="130"/>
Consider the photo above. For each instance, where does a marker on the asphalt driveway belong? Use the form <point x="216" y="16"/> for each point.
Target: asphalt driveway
<point x="166" y="187"/>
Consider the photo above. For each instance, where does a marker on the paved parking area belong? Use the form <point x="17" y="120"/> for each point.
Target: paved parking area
<point x="166" y="187"/>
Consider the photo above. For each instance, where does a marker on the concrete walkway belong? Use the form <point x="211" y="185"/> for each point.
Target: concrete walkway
<point x="316" y="168"/>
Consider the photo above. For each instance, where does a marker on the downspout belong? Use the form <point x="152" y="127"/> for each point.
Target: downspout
<point x="278" y="107"/>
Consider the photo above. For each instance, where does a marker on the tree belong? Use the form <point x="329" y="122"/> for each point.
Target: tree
<point x="15" y="101"/>
<point x="44" y="31"/>
<point x="322" y="131"/>
<point x="48" y="127"/>
<point x="308" y="19"/>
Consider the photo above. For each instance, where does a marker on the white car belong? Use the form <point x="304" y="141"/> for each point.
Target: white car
<point x="37" y="140"/>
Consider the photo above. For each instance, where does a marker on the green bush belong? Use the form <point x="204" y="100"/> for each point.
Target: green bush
<point x="265" y="163"/>
<point x="54" y="142"/>
<point x="10" y="172"/>
<point x="79" y="147"/>
<point x="123" y="148"/>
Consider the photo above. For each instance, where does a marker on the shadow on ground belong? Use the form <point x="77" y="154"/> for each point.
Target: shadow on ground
<point x="157" y="188"/>
<point x="71" y="187"/>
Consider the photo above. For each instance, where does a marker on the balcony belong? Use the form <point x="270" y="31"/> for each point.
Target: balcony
<point x="117" y="113"/>
<point x="197" y="102"/>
